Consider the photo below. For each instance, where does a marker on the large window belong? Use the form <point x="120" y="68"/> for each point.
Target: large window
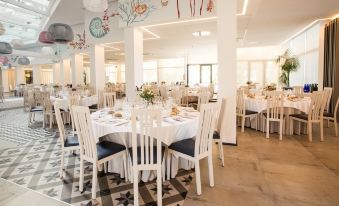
<point x="150" y="71"/>
<point x="202" y="74"/>
<point x="111" y="73"/>
<point x="171" y="70"/>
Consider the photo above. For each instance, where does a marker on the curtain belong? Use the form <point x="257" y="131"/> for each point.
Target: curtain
<point x="331" y="59"/>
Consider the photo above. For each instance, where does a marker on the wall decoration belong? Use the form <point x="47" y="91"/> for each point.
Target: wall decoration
<point x="81" y="43"/>
<point x="132" y="11"/>
<point x="4" y="60"/>
<point x="164" y="2"/>
<point x="46" y="37"/>
<point x="96" y="28"/>
<point x="24" y="61"/>
<point x="107" y="18"/>
<point x="210" y="6"/>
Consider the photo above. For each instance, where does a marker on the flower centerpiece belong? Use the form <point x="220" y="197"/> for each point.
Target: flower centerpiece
<point x="147" y="95"/>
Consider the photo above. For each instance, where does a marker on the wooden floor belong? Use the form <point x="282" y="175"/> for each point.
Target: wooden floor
<point x="262" y="171"/>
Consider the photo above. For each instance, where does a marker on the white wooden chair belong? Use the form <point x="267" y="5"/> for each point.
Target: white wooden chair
<point x="242" y="112"/>
<point x="95" y="153"/>
<point x="275" y="112"/>
<point x="70" y="143"/>
<point x="184" y="96"/>
<point x="48" y="112"/>
<point x="217" y="132"/>
<point x="315" y="115"/>
<point x="333" y="117"/>
<point x="328" y="91"/>
<point x="176" y="94"/>
<point x="73" y="100"/>
<point x="201" y="147"/>
<point x="203" y="98"/>
<point x="298" y="91"/>
<point x="163" y="93"/>
<point x="109" y="99"/>
<point x="147" y="151"/>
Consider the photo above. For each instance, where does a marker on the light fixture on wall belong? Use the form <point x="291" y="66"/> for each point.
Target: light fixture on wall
<point x="201" y="33"/>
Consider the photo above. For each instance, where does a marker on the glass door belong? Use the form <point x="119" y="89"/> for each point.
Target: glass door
<point x="203" y="74"/>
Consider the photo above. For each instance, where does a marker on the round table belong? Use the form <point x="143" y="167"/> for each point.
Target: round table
<point x="119" y="130"/>
<point x="84" y="101"/>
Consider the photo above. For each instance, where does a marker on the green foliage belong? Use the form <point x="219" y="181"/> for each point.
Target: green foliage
<point x="288" y="64"/>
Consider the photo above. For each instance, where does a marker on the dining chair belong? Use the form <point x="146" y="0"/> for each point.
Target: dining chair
<point x="48" y="111"/>
<point x="298" y="91"/>
<point x="176" y="94"/>
<point x="2" y="97"/>
<point x="328" y="91"/>
<point x="90" y="151"/>
<point x="203" y="98"/>
<point x="68" y="143"/>
<point x="242" y="112"/>
<point x="217" y="132"/>
<point x="109" y="99"/>
<point x="184" y="96"/>
<point x="275" y="112"/>
<point x="315" y="115"/>
<point x="33" y="108"/>
<point x="333" y="117"/>
<point x="147" y="152"/>
<point x="163" y="93"/>
<point x="73" y="100"/>
<point x="195" y="149"/>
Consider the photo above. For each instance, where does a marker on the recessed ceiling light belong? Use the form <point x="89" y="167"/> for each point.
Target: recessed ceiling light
<point x="201" y="33"/>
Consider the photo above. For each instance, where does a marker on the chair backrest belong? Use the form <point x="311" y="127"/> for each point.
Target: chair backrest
<point x="73" y="100"/>
<point x="317" y="106"/>
<point x="47" y="105"/>
<point x="275" y="105"/>
<point x="328" y="91"/>
<point x="220" y="114"/>
<point x="109" y="99"/>
<point x="176" y="94"/>
<point x="336" y="108"/>
<point x="148" y="133"/>
<point x="184" y="95"/>
<point x="100" y="99"/>
<point x="163" y="92"/>
<point x="83" y="125"/>
<point x="203" y="98"/>
<point x="60" y="122"/>
<point x="240" y="108"/>
<point x="245" y="89"/>
<point x="203" y="140"/>
<point x="298" y="91"/>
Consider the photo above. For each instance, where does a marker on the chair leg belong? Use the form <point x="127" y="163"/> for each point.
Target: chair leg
<point x="321" y="130"/>
<point x="210" y="169"/>
<point x="328" y="123"/>
<point x="243" y="124"/>
<point x="309" y="125"/>
<point x="281" y="129"/>
<point x="62" y="164"/>
<point x="168" y="165"/>
<point x="198" y="178"/>
<point x="43" y="120"/>
<point x="125" y="166"/>
<point x="267" y="128"/>
<point x="222" y="153"/>
<point x="135" y="186"/>
<point x="105" y="167"/>
<point x="299" y="128"/>
<point x="94" y="181"/>
<point x="81" y="180"/>
<point x="336" y="127"/>
<point x="159" y="186"/>
<point x="50" y="121"/>
<point x="291" y="126"/>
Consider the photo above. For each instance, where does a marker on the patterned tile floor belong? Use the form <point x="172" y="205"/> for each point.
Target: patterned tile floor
<point x="35" y="161"/>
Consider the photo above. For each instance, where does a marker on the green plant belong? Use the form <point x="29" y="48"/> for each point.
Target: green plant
<point x="288" y="64"/>
<point x="147" y="95"/>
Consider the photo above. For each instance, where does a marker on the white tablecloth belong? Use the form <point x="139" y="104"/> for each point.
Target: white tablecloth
<point x="104" y="123"/>
<point x="85" y="101"/>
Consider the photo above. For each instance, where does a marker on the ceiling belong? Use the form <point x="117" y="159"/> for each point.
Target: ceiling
<point x="24" y="19"/>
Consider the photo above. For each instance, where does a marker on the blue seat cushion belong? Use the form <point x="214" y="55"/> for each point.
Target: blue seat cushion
<point x="106" y="149"/>
<point x="216" y="135"/>
<point x="300" y="116"/>
<point x="249" y="112"/>
<point x="130" y="150"/>
<point x="185" y="146"/>
<point x="265" y="115"/>
<point x="36" y="109"/>
<point x="71" y="141"/>
<point x="94" y="106"/>
<point x="328" y="114"/>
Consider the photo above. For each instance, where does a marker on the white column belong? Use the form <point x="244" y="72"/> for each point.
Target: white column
<point x="227" y="47"/>
<point x="77" y="67"/>
<point x="97" y="67"/>
<point x="67" y="71"/>
<point x="133" y="61"/>
<point x="4" y="80"/>
<point x="36" y="74"/>
<point x="56" y="73"/>
<point x="20" y="75"/>
<point x="62" y="73"/>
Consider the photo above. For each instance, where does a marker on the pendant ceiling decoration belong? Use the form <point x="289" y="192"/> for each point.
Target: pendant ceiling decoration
<point x="4" y="60"/>
<point x="23" y="61"/>
<point x="5" y="48"/>
<point x="2" y="29"/>
<point x="95" y="5"/>
<point x="61" y="33"/>
<point x="47" y="51"/>
<point x="17" y="43"/>
<point x="46" y="37"/>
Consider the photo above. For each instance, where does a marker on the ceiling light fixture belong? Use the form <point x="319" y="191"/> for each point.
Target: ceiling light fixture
<point x="244" y="8"/>
<point x="201" y="33"/>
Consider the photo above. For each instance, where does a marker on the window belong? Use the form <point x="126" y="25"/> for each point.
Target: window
<point x="257" y="72"/>
<point x="271" y="73"/>
<point x="111" y="73"/>
<point x="171" y="70"/>
<point x="150" y="72"/>
<point x="242" y="72"/>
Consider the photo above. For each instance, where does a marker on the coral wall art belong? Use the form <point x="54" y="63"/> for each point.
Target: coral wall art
<point x="81" y="43"/>
<point x="133" y="11"/>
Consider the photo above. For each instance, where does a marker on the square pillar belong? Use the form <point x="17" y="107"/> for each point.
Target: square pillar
<point x="20" y="75"/>
<point x="66" y="71"/>
<point x="133" y="61"/>
<point x="56" y="73"/>
<point x="77" y="68"/>
<point x="36" y="74"/>
<point x="227" y="54"/>
<point x="97" y="67"/>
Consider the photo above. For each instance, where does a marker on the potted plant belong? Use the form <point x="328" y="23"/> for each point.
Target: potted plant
<point x="288" y="64"/>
